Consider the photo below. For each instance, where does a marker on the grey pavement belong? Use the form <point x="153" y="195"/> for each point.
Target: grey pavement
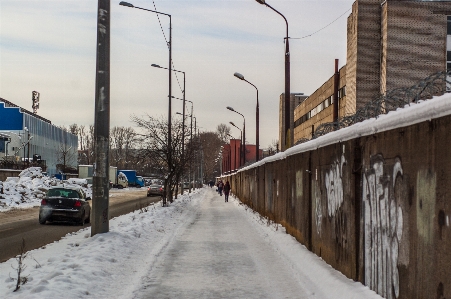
<point x="219" y="254"/>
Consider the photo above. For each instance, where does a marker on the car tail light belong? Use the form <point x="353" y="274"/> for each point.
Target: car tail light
<point x="77" y="204"/>
<point x="43" y="202"/>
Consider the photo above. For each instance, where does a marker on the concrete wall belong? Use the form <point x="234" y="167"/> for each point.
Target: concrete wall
<point x="377" y="208"/>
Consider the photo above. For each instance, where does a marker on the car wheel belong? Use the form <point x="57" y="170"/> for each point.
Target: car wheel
<point x="42" y="220"/>
<point x="81" y="221"/>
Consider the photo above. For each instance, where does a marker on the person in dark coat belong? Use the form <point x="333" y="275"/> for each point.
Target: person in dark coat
<point x="220" y="187"/>
<point x="226" y="191"/>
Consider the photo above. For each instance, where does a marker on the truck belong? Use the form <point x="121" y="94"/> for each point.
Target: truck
<point x="116" y="180"/>
<point x="133" y="179"/>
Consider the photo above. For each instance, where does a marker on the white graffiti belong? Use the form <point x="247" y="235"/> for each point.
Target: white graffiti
<point x="334" y="186"/>
<point x="318" y="208"/>
<point x="383" y="228"/>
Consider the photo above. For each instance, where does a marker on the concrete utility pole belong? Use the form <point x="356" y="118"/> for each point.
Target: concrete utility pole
<point x="100" y="193"/>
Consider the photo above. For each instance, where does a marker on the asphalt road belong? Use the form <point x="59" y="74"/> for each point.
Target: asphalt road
<point x="18" y="224"/>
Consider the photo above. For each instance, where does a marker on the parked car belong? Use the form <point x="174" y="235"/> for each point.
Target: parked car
<point x="65" y="204"/>
<point x="156" y="188"/>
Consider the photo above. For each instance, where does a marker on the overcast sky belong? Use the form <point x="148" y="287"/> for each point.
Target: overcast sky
<point x="50" y="46"/>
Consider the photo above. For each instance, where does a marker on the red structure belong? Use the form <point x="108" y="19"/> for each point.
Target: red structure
<point x="231" y="158"/>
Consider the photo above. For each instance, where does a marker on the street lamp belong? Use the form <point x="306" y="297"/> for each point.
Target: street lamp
<point x="257" y="116"/>
<point x="123" y="3"/>
<point x="183" y="91"/>
<point x="288" y="140"/>
<point x="244" y="133"/>
<point x="241" y="136"/>
<point x="191" y="138"/>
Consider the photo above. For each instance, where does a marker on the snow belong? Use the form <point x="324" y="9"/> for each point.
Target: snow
<point x="414" y="113"/>
<point x="29" y="188"/>
<point x="140" y="246"/>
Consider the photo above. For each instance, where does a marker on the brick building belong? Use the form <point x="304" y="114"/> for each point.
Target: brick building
<point x="232" y="158"/>
<point x="390" y="44"/>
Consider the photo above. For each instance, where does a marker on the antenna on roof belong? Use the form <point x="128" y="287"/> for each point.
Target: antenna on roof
<point x="35" y="101"/>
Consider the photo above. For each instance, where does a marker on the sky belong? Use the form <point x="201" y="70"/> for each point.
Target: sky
<point x="50" y="46"/>
<point x="171" y="240"/>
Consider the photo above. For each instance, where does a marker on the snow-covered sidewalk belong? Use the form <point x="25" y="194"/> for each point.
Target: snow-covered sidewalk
<point x="198" y="247"/>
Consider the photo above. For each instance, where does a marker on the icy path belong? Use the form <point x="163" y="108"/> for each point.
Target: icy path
<point x="220" y="255"/>
<point x="223" y="252"/>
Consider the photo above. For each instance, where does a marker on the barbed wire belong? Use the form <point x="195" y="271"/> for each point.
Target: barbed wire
<point x="433" y="85"/>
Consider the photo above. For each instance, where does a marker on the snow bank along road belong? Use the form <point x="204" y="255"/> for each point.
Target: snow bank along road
<point x="198" y="247"/>
<point x="23" y="223"/>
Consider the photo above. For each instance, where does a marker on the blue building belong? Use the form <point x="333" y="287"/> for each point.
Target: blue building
<point x="24" y="134"/>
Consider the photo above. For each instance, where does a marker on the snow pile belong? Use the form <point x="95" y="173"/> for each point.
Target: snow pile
<point x="30" y="187"/>
<point x="107" y="265"/>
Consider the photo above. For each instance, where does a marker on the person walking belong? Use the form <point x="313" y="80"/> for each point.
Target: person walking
<point x="220" y="186"/>
<point x="226" y="191"/>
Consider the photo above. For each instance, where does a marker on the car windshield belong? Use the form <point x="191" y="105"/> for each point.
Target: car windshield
<point x="59" y="192"/>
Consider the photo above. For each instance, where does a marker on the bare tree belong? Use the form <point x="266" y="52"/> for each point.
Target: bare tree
<point x="223" y="132"/>
<point x="153" y="139"/>
<point x="86" y="144"/>
<point x="273" y="148"/>
<point x="211" y="146"/>
<point x="66" y="155"/>
<point x="122" y="144"/>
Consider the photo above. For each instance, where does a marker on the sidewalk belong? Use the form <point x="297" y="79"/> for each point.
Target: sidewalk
<point x="226" y="253"/>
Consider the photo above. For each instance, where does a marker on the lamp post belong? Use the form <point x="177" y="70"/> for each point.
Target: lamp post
<point x="191" y="139"/>
<point x="184" y="89"/>
<point x="244" y="134"/>
<point x="257" y="116"/>
<point x="241" y="138"/>
<point x="123" y="3"/>
<point x="287" y="132"/>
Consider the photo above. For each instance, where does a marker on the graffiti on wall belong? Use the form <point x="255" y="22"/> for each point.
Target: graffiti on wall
<point x="318" y="208"/>
<point x="334" y="186"/>
<point x="383" y="220"/>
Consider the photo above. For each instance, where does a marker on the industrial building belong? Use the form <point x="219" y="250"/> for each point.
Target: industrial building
<point x="390" y="44"/>
<point x="28" y="139"/>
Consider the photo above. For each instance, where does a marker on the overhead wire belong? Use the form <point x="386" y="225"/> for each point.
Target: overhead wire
<point x="324" y="26"/>
<point x="168" y="45"/>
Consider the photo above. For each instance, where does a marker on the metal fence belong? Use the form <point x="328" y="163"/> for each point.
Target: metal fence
<point x="434" y="85"/>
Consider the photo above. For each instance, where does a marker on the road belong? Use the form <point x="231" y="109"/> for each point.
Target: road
<point x="18" y="224"/>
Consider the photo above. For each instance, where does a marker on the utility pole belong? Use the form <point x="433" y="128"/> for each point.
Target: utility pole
<point x="100" y="190"/>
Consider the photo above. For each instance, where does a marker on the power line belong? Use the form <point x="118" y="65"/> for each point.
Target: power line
<point x="167" y="44"/>
<point x="324" y="26"/>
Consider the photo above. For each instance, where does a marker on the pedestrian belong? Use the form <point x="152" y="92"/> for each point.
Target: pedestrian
<point x="226" y="191"/>
<point x="220" y="186"/>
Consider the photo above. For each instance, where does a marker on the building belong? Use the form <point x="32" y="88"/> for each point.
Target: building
<point x="25" y="136"/>
<point x="232" y="156"/>
<point x="390" y="44"/>
<point x="295" y="100"/>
